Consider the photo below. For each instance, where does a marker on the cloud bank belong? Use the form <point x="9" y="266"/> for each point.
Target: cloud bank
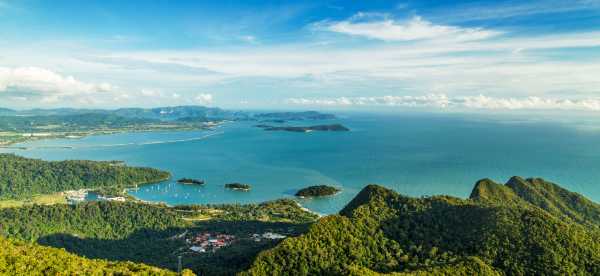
<point x="442" y="101"/>
<point x="40" y="79"/>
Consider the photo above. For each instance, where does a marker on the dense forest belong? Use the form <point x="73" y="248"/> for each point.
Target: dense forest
<point x="144" y="233"/>
<point x="24" y="177"/>
<point x="19" y="258"/>
<point x="513" y="229"/>
<point x="524" y="227"/>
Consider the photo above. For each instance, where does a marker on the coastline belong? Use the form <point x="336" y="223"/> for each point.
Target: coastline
<point x="9" y="144"/>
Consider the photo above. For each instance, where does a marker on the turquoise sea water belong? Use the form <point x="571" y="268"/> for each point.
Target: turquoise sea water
<point x="412" y="154"/>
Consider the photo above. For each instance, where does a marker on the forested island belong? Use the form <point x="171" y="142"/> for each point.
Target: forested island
<point x="332" y="127"/>
<point x="317" y="191"/>
<point x="190" y="181"/>
<point x="238" y="186"/>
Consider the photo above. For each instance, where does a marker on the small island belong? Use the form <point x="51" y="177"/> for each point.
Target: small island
<point x="190" y="181"/>
<point x="238" y="186"/>
<point x="333" y="127"/>
<point x="317" y="191"/>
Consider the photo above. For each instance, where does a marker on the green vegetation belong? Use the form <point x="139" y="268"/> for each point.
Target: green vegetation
<point x="18" y="258"/>
<point x="22" y="178"/>
<point x="190" y="181"/>
<point x="146" y="233"/>
<point x="381" y="231"/>
<point x="99" y="219"/>
<point x="67" y="123"/>
<point x="524" y="227"/>
<point x="238" y="186"/>
<point x="21" y="126"/>
<point x="56" y="198"/>
<point x="320" y="190"/>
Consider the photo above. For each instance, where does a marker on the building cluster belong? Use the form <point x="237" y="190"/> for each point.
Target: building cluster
<point x="267" y="235"/>
<point x="75" y="196"/>
<point x="209" y="242"/>
<point x="112" y="198"/>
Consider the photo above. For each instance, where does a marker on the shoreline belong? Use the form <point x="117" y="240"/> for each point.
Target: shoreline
<point x="83" y="134"/>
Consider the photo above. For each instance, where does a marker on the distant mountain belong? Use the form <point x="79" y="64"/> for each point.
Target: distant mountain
<point x="191" y="113"/>
<point x="516" y="229"/>
<point x="176" y="112"/>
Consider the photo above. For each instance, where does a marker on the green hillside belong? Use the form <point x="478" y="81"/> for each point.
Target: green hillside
<point x="496" y="232"/>
<point x="18" y="258"/>
<point x="24" y="177"/>
<point x="546" y="195"/>
<point x="155" y="234"/>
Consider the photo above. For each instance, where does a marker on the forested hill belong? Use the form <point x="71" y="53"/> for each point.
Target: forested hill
<point x="154" y="234"/>
<point x="540" y="193"/>
<point x="23" y="177"/>
<point x="18" y="258"/>
<point x="515" y="229"/>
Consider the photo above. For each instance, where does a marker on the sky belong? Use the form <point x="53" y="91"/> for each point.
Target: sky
<point x="394" y="55"/>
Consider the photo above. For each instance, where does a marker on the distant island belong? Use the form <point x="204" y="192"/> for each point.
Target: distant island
<point x="317" y="191"/>
<point x="295" y="116"/>
<point x="238" y="186"/>
<point x="332" y="127"/>
<point x="190" y="181"/>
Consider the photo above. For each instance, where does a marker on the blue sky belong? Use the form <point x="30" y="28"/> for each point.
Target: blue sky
<point x="439" y="55"/>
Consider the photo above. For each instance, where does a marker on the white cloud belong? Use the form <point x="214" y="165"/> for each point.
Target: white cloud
<point x="440" y="59"/>
<point x="415" y="28"/>
<point x="45" y="81"/>
<point x="442" y="101"/>
<point x="204" y="99"/>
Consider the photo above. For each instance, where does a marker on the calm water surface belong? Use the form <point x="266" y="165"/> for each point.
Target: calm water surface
<point x="412" y="154"/>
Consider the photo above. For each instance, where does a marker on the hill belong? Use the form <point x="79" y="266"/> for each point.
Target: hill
<point x="154" y="234"/>
<point x="24" y="177"/>
<point x="540" y="193"/>
<point x="381" y="231"/>
<point x="19" y="258"/>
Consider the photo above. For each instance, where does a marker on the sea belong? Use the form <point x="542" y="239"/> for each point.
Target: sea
<point x="415" y="154"/>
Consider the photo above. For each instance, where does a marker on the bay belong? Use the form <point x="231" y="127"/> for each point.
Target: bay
<point x="414" y="154"/>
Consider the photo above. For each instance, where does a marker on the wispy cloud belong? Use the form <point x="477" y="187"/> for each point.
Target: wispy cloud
<point x="382" y="27"/>
<point x="507" y="9"/>
<point x="443" y="102"/>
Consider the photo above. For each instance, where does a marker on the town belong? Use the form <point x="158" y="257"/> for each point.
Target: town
<point x="211" y="242"/>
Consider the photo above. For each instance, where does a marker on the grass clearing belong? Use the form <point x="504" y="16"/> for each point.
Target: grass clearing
<point x="57" y="198"/>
